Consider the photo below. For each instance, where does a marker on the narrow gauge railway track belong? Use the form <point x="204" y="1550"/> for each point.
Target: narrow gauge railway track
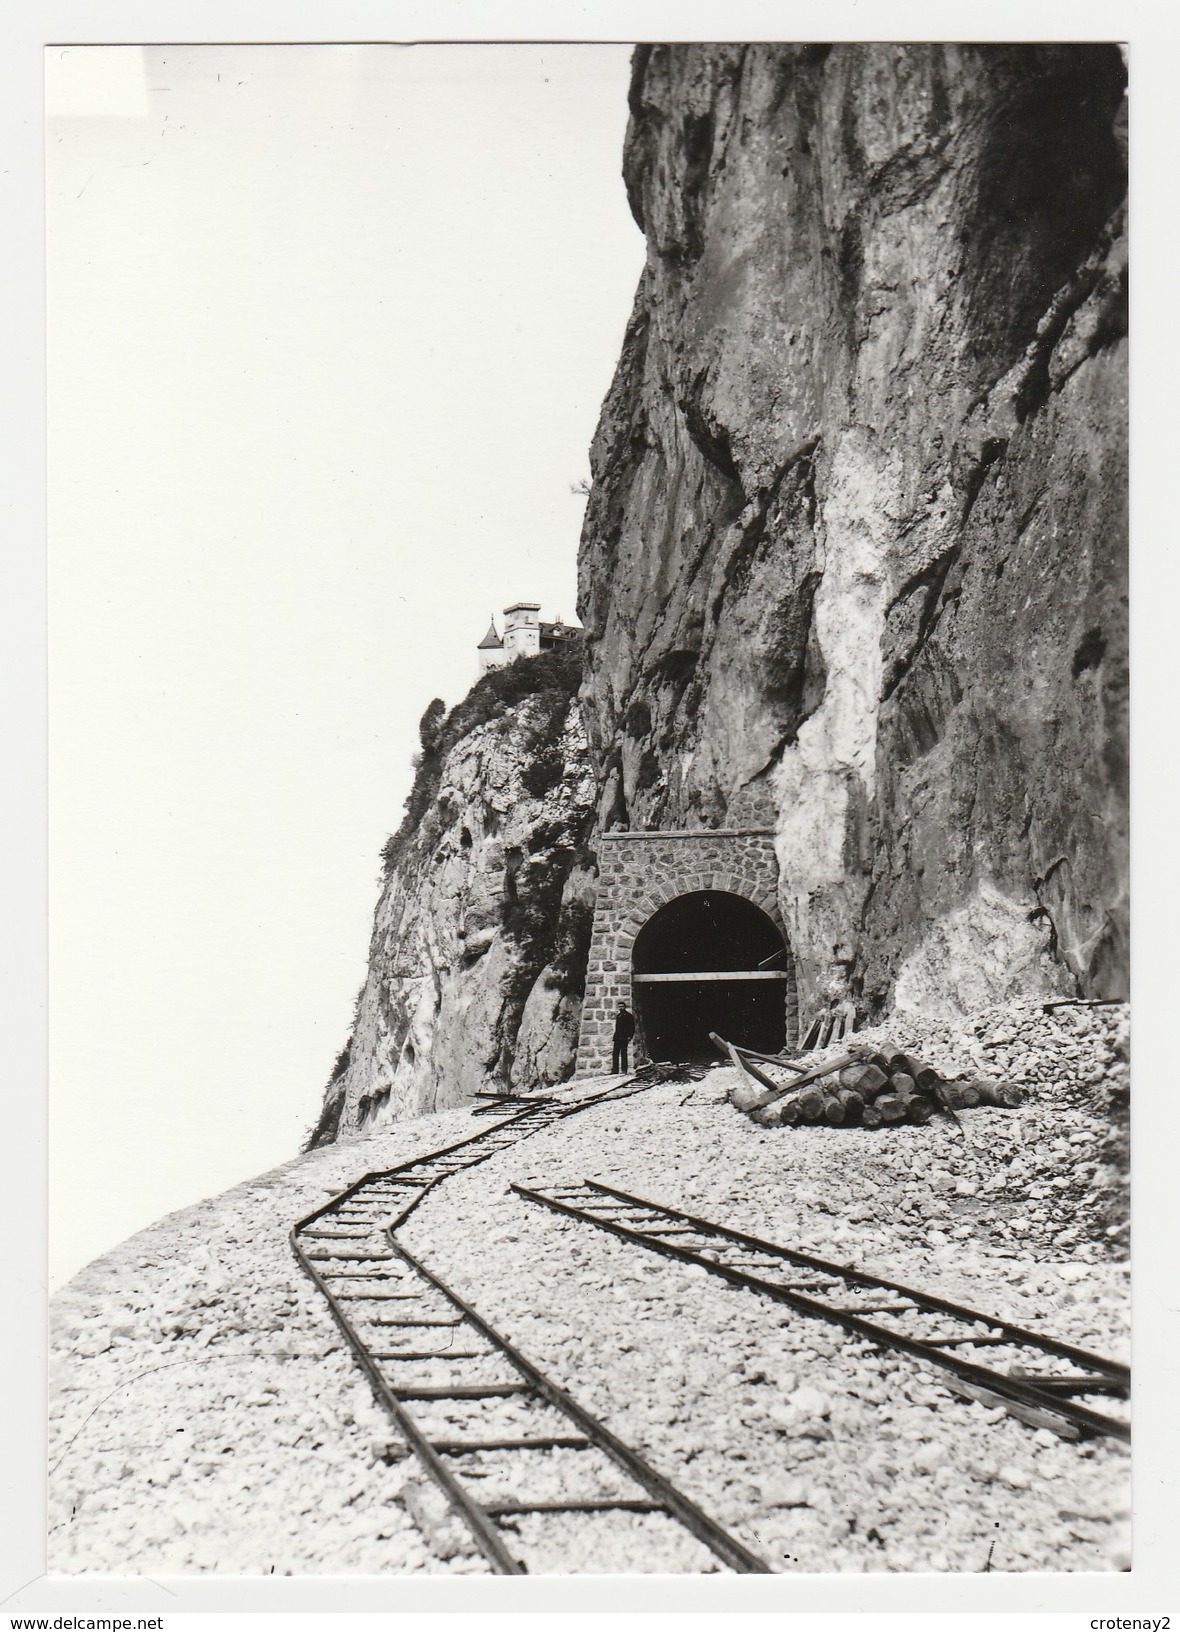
<point x="477" y="1413"/>
<point x="934" y="1330"/>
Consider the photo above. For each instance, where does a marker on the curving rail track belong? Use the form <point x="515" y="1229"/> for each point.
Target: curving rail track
<point x="969" y="1345"/>
<point x="503" y="1443"/>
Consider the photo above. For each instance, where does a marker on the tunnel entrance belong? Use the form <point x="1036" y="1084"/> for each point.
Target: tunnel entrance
<point x="709" y="961"/>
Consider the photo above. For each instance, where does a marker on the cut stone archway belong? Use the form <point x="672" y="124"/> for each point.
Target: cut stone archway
<point x="641" y="873"/>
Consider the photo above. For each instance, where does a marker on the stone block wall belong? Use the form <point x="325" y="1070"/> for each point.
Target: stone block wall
<point x="638" y="873"/>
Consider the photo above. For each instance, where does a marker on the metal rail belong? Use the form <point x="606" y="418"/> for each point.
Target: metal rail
<point x="1043" y="1399"/>
<point x="429" y="1169"/>
<point x="666" y="1497"/>
<point x="349" y="1250"/>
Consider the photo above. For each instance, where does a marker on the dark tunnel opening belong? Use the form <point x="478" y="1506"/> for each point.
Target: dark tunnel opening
<point x="700" y="938"/>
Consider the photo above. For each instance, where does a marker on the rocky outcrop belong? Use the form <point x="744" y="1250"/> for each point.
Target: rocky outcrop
<point x="478" y="954"/>
<point x="854" y="559"/>
<point x="853" y="568"/>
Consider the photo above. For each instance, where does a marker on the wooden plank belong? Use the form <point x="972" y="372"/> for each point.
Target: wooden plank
<point x="837" y="1064"/>
<point x="812" y="1035"/>
<point x="749" y="1076"/>
<point x="740" y="1066"/>
<point x="590" y="1504"/>
<point x="1015" y="1408"/>
<point x="770" y="1059"/>
<point x="695" y="976"/>
<point x="556" y="1442"/>
<point x="747" y="1065"/>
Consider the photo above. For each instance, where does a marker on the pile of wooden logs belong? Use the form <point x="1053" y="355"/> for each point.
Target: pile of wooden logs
<point x="866" y="1087"/>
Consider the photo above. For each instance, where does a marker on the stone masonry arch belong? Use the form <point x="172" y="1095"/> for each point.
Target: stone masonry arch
<point x="638" y="873"/>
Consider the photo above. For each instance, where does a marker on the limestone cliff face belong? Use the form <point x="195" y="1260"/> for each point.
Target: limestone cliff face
<point x="854" y="558"/>
<point x="478" y="951"/>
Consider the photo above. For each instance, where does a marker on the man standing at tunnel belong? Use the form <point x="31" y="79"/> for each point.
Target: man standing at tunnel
<point x="624" y="1031"/>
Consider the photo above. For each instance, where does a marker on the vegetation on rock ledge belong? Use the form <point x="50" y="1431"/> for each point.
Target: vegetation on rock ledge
<point x="551" y="677"/>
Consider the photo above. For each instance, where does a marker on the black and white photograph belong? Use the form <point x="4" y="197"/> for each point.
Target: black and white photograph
<point x="589" y="809"/>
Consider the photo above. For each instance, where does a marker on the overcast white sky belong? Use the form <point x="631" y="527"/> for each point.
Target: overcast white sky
<point x="329" y="328"/>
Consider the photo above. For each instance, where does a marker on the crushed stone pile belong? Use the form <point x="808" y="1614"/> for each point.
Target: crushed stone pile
<point x="1070" y="1067"/>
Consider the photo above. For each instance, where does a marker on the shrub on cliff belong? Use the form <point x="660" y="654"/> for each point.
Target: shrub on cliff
<point x="430" y="725"/>
<point x="551" y="677"/>
<point x="543" y="772"/>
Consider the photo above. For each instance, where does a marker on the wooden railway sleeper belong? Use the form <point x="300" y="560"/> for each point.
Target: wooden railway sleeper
<point x="875" y="1283"/>
<point x="667" y="1496"/>
<point x="435" y="1354"/>
<point x="362" y="1211"/>
<point x="553" y="1442"/>
<point x="1021" y="1392"/>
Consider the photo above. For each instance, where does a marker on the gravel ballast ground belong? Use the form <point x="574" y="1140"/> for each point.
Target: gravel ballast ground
<point x="207" y="1418"/>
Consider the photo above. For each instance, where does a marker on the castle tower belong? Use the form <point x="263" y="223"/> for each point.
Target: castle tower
<point x="522" y="630"/>
<point x="491" y="650"/>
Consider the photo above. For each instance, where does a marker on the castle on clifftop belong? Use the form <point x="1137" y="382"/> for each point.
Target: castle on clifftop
<point x="524" y="636"/>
